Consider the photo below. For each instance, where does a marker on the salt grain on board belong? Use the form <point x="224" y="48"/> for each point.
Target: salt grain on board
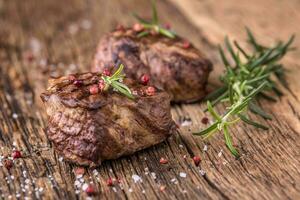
<point x="182" y="175"/>
<point x="153" y="175"/>
<point x="220" y="153"/>
<point x="202" y="172"/>
<point x="86" y="24"/>
<point x="85" y="186"/>
<point x="205" y="148"/>
<point x="186" y="122"/>
<point x="136" y="178"/>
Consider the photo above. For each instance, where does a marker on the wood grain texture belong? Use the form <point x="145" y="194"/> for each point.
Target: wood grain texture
<point x="43" y="38"/>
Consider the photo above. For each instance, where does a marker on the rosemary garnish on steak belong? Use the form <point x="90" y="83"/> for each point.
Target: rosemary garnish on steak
<point x="243" y="82"/>
<point x="115" y="81"/>
<point x="153" y="25"/>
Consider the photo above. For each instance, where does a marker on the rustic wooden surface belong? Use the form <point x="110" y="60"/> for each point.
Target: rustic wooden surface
<point x="38" y="35"/>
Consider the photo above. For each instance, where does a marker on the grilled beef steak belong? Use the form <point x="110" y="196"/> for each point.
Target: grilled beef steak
<point x="172" y="64"/>
<point x="87" y="126"/>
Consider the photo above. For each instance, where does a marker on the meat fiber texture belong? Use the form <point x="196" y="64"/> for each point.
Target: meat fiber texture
<point x="173" y="64"/>
<point x="87" y="129"/>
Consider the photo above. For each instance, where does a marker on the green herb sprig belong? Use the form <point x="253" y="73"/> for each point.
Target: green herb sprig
<point x="115" y="81"/>
<point x="243" y="82"/>
<point x="153" y="25"/>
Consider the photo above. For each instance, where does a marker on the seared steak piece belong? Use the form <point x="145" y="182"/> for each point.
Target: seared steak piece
<point x="88" y="126"/>
<point x="172" y="64"/>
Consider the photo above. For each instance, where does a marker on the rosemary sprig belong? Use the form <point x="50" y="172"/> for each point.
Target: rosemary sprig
<point x="115" y="81"/>
<point x="243" y="82"/>
<point x="153" y="25"/>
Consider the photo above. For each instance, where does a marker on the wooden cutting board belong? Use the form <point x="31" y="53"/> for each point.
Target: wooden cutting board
<point x="36" y="36"/>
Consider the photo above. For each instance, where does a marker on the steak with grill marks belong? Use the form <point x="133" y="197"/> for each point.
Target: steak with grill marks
<point x="87" y="129"/>
<point x="173" y="64"/>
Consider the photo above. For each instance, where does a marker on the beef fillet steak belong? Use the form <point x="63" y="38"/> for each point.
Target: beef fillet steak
<point x="172" y="64"/>
<point x="87" y="126"/>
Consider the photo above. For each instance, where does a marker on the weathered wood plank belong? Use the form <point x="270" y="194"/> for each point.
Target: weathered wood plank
<point x="65" y="34"/>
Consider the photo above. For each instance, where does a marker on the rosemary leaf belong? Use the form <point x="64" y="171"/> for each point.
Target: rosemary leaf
<point x="257" y="110"/>
<point x="229" y="143"/>
<point x="253" y="123"/>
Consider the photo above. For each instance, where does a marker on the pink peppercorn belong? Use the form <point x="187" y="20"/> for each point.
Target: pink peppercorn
<point x="150" y="91"/>
<point x="186" y="44"/>
<point x="197" y="160"/>
<point x="109" y="182"/>
<point x="90" y="190"/>
<point x="137" y="27"/>
<point x="8" y="164"/>
<point x="94" y="89"/>
<point x="106" y="72"/>
<point x="167" y="26"/>
<point x="120" y="27"/>
<point x="72" y="78"/>
<point x="101" y="85"/>
<point x="145" y="79"/>
<point x="78" y="83"/>
<point x="16" y="154"/>
<point x="204" y="120"/>
<point x="163" y="161"/>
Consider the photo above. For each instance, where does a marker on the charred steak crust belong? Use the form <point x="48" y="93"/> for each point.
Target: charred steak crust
<point x="181" y="71"/>
<point x="87" y="129"/>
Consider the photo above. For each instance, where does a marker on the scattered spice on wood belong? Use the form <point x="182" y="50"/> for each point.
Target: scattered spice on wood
<point x="163" y="161"/>
<point x="16" y="154"/>
<point x="162" y="188"/>
<point x="90" y="190"/>
<point x="8" y="164"/>
<point x="109" y="182"/>
<point x="197" y="160"/>
<point x="205" y="120"/>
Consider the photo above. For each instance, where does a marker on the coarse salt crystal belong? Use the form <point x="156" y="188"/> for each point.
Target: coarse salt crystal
<point x="86" y="24"/>
<point x="182" y="174"/>
<point x="136" y="178"/>
<point x="85" y="186"/>
<point x="180" y="146"/>
<point x="205" y="148"/>
<point x="220" y="153"/>
<point x="202" y="172"/>
<point x="77" y="183"/>
<point x="186" y="123"/>
<point x="73" y="29"/>
<point x="153" y="175"/>
<point x="95" y="172"/>
<point x="130" y="190"/>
